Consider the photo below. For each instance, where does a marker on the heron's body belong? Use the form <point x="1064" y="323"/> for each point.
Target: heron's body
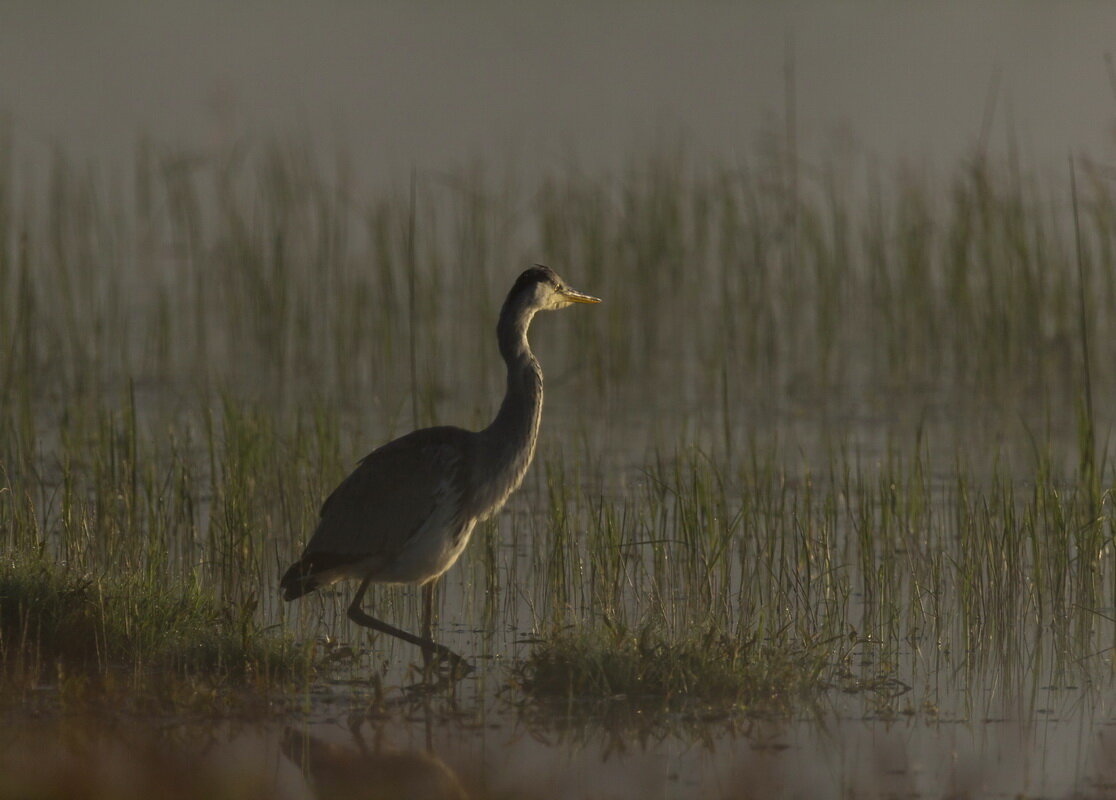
<point x="406" y="513"/>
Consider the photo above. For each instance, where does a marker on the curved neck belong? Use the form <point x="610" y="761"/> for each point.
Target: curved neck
<point x="517" y="422"/>
<point x="507" y="446"/>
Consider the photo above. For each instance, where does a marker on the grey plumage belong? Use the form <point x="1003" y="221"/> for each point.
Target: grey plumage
<point x="374" y="513"/>
<point x="406" y="512"/>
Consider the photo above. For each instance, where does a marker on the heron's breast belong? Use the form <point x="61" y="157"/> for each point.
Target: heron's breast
<point x="437" y="543"/>
<point x="501" y="483"/>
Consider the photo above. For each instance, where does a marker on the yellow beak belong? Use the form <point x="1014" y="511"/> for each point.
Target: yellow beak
<point x="579" y="297"/>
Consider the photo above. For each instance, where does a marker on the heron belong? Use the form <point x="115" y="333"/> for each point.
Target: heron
<point x="405" y="514"/>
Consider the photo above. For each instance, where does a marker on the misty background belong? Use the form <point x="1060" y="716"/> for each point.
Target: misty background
<point x="434" y="86"/>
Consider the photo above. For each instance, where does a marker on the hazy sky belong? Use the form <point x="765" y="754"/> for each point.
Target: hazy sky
<point x="436" y="84"/>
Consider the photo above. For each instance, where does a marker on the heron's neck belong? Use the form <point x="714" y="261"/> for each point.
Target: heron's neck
<point x="509" y="442"/>
<point x="517" y="421"/>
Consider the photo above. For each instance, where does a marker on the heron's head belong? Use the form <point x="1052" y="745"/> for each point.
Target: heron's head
<point x="540" y="289"/>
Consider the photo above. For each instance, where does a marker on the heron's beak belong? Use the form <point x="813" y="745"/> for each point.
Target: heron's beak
<point x="578" y="297"/>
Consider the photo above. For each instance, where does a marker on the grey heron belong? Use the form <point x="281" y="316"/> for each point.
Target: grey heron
<point x="405" y="514"/>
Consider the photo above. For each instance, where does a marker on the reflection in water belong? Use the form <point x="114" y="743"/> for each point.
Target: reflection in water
<point x="335" y="770"/>
<point x="499" y="753"/>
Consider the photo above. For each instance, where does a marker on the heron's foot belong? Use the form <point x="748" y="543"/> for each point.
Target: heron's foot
<point x="446" y="663"/>
<point x="440" y="673"/>
<point x="459" y="668"/>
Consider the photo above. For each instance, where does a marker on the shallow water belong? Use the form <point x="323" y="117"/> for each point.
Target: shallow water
<point x="433" y="748"/>
<point x="1025" y="710"/>
<point x="1007" y="720"/>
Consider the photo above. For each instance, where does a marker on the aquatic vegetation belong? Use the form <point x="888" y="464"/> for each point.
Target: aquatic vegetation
<point x="646" y="670"/>
<point x="55" y="623"/>
<point x="841" y="434"/>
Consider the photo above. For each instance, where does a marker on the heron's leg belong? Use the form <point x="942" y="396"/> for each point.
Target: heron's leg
<point x="357" y="615"/>
<point x="428" y="610"/>
<point x="427" y="620"/>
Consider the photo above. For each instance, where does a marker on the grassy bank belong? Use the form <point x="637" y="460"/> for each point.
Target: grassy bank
<point x="59" y="628"/>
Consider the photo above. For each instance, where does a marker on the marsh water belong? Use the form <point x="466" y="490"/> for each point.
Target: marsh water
<point x="850" y="392"/>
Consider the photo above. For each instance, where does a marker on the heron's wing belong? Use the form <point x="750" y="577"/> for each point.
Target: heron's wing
<point x="391" y="494"/>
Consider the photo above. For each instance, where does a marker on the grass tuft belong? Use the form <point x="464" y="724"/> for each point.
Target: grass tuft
<point x="56" y="621"/>
<point x="645" y="666"/>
